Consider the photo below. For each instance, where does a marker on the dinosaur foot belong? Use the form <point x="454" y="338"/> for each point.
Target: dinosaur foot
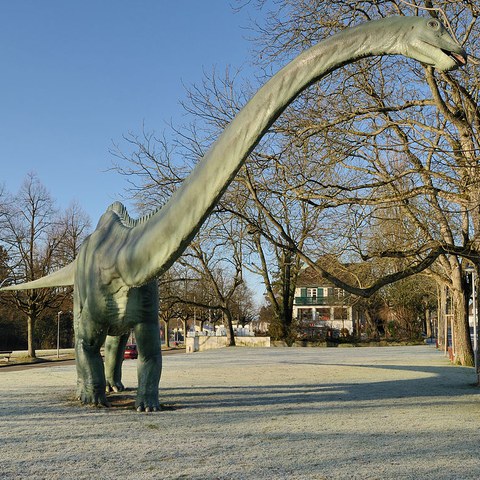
<point x="96" y="399"/>
<point x="147" y="403"/>
<point x="114" y="387"/>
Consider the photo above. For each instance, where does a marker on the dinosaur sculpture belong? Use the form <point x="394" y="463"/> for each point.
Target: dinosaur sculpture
<point x="114" y="274"/>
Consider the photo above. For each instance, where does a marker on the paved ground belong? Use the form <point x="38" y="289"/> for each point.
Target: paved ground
<point x="304" y="413"/>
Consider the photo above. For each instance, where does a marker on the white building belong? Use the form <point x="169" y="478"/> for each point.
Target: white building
<point x="319" y="304"/>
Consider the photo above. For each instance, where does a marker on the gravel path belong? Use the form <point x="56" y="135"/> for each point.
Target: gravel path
<point x="301" y="413"/>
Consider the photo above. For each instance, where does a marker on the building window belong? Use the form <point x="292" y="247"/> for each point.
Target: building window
<point x="304" y="314"/>
<point x="312" y="292"/>
<point x="322" y="314"/>
<point x="339" y="293"/>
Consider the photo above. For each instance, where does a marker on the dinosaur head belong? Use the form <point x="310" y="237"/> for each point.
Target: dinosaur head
<point x="429" y="42"/>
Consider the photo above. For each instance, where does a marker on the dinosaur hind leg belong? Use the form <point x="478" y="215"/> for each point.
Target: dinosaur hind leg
<point x="114" y="350"/>
<point x="147" y="335"/>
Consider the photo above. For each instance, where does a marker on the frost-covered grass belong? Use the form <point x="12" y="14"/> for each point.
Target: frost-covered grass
<point x="302" y="413"/>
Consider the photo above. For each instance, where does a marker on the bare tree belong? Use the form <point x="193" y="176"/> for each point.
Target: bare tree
<point x="358" y="151"/>
<point x="390" y="148"/>
<point x="35" y="238"/>
<point x="216" y="259"/>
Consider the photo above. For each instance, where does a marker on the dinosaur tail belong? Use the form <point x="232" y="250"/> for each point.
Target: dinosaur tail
<point x="61" y="278"/>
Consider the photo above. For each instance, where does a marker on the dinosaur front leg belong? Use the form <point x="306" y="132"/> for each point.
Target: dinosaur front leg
<point x="90" y="371"/>
<point x="149" y="365"/>
<point x="114" y="351"/>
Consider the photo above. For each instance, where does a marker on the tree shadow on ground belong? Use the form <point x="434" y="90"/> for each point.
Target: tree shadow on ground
<point x="442" y="385"/>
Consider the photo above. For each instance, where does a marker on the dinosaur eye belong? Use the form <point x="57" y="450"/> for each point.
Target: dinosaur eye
<point x="433" y="24"/>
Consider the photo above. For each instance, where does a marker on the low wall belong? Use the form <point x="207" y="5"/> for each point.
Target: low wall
<point x="200" y="343"/>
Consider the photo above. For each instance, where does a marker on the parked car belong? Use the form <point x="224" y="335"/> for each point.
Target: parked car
<point x="131" y="351"/>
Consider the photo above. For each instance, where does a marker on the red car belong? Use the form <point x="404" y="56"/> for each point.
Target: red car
<point x="131" y="352"/>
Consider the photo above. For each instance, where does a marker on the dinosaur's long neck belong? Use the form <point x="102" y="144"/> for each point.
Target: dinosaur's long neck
<point x="155" y="245"/>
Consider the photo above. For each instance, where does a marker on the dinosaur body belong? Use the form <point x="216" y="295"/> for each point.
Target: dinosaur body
<point x="115" y="270"/>
<point x="106" y="309"/>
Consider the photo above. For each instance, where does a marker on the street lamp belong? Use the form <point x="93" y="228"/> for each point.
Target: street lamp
<point x="58" y="333"/>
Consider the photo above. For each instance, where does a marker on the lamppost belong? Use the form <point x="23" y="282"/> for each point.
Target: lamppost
<point x="471" y="270"/>
<point x="58" y="333"/>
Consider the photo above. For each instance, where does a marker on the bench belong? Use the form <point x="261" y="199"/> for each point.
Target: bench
<point x="5" y="354"/>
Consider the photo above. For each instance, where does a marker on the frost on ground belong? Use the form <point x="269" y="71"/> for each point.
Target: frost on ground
<point x="237" y="413"/>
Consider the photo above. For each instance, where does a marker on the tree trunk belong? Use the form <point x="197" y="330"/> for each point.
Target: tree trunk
<point x="461" y="333"/>
<point x="230" y="332"/>
<point x="357" y="326"/>
<point x="184" y="327"/>
<point x="289" y="333"/>
<point x="31" y="335"/>
<point x="461" y="329"/>
<point x="165" y="331"/>
<point x="441" y="318"/>
<point x="371" y="326"/>
<point x="428" y="323"/>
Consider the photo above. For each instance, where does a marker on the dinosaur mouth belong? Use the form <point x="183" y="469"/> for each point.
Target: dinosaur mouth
<point x="459" y="59"/>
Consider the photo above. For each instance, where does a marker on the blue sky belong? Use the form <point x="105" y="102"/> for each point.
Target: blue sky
<point x="78" y="75"/>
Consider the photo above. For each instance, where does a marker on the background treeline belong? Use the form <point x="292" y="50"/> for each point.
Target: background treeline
<point x="376" y="166"/>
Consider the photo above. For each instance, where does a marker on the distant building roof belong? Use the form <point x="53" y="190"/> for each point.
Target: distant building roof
<point x="310" y="276"/>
